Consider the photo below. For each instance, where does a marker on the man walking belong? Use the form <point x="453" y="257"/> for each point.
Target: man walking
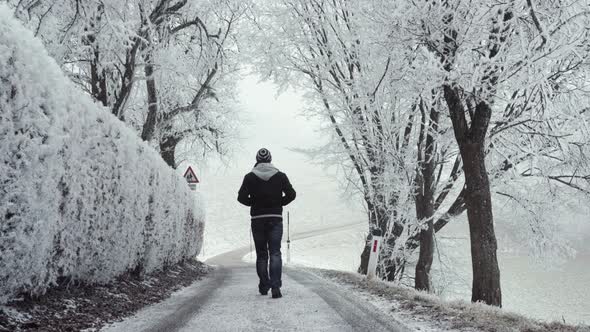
<point x="266" y="190"/>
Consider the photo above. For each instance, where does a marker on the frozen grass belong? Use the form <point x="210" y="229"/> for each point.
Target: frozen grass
<point x="409" y="304"/>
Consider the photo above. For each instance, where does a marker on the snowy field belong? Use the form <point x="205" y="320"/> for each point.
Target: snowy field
<point x="558" y="292"/>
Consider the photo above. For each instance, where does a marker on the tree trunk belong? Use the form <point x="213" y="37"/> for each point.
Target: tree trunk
<point x="388" y="262"/>
<point x="168" y="150"/>
<point x="149" y="127"/>
<point x="373" y="225"/>
<point x="422" y="281"/>
<point x="486" y="273"/>
<point x="379" y="220"/>
<point x="363" y="267"/>
<point x="98" y="83"/>
<point x="387" y="267"/>
<point x="97" y="80"/>
<point x="478" y="198"/>
<point x="425" y="199"/>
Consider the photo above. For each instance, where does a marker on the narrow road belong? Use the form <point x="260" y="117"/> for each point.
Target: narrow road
<point x="228" y="300"/>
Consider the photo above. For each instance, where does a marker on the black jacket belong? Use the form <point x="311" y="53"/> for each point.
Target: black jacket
<point x="266" y="190"/>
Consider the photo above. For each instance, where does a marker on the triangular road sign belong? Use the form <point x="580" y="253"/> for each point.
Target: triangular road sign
<point x="190" y="176"/>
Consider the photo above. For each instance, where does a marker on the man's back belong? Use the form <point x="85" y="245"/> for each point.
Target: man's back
<point x="262" y="190"/>
<point x="266" y="191"/>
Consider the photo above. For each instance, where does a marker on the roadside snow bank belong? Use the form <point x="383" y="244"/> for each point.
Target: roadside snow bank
<point x="81" y="196"/>
<point x="426" y="312"/>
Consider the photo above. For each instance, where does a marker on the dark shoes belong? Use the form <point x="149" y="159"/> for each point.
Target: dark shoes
<point x="263" y="290"/>
<point x="276" y="293"/>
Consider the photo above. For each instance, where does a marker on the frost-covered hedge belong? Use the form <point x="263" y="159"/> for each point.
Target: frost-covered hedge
<point x="81" y="196"/>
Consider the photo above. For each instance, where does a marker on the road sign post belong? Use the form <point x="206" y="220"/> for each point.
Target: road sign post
<point x="191" y="178"/>
<point x="374" y="256"/>
<point x="288" y="240"/>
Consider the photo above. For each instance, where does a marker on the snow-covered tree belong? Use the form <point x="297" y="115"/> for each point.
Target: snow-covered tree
<point x="355" y="87"/>
<point x="472" y="92"/>
<point x="182" y="50"/>
<point x="519" y="69"/>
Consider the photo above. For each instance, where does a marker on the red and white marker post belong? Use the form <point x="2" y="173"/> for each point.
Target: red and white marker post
<point x="373" y="256"/>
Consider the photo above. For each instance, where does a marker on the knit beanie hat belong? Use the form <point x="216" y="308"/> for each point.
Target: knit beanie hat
<point x="263" y="156"/>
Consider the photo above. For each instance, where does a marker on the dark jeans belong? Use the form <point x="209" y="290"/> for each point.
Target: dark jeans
<point x="267" y="233"/>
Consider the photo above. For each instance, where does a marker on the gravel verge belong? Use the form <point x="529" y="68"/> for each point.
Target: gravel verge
<point x="76" y="307"/>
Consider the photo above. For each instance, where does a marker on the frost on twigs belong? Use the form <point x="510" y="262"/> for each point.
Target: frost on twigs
<point x="81" y="196"/>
